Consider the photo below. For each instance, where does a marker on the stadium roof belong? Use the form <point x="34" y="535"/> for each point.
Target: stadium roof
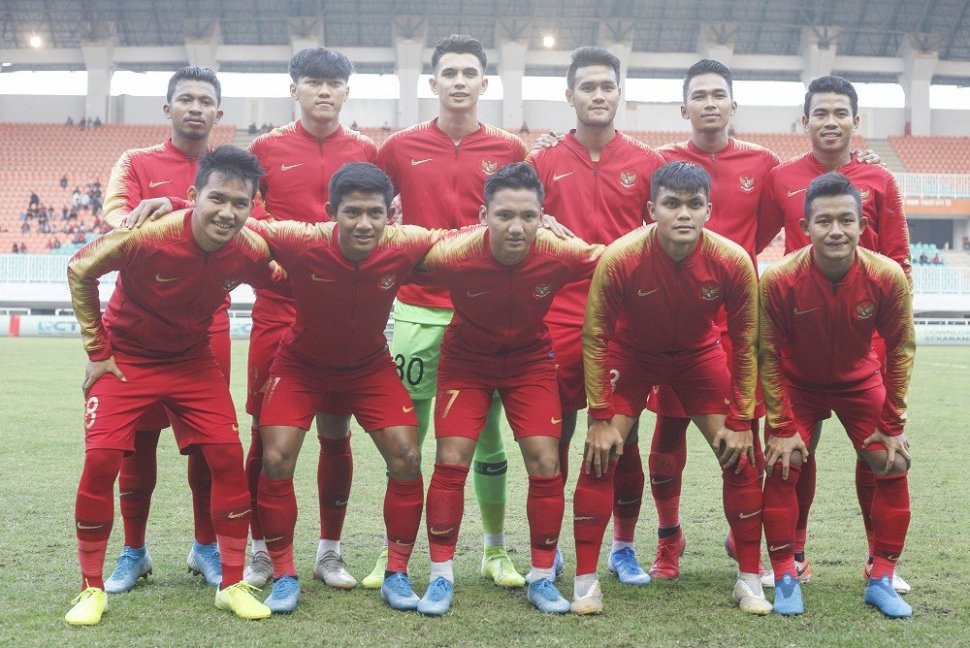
<point x="753" y="27"/>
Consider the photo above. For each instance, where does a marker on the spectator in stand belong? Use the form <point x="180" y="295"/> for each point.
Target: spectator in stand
<point x="69" y="122"/>
<point x="252" y="129"/>
<point x="97" y="122"/>
<point x="23" y="248"/>
<point x="15" y="249"/>
<point x="923" y="259"/>
<point x="64" y="213"/>
<point x="76" y="197"/>
<point x="64" y="181"/>
<point x="25" y="227"/>
<point x="34" y="200"/>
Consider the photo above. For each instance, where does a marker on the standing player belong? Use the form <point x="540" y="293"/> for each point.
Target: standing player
<point x="502" y="278"/>
<point x="157" y="172"/>
<point x="300" y="158"/>
<point x="830" y="118"/>
<point x="334" y="360"/>
<point x="152" y="347"/>
<point x="820" y="308"/>
<point x="738" y="170"/>
<point x="670" y="278"/>
<point x="439" y="168"/>
<point x="597" y="183"/>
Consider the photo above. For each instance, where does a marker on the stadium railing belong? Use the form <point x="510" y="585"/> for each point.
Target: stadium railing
<point x="933" y="185"/>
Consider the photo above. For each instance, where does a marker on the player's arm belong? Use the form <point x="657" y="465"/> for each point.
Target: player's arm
<point x="895" y="325"/>
<point x="772" y="338"/>
<point x="602" y="309"/>
<point x="771" y="218"/>
<point x="110" y="253"/>
<point x="894" y="231"/>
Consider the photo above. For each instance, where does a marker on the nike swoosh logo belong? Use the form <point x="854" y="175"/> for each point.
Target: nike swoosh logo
<point x="642" y="293"/>
<point x="555" y="421"/>
<point x="745" y="516"/>
<point x="158" y="183"/>
<point x="419" y="162"/>
<point x="159" y="278"/>
<point x="125" y="493"/>
<point x="233" y="516"/>
<point x="235" y="428"/>
<point x="797" y="191"/>
<point x="287" y="167"/>
<point x="276" y="539"/>
<point x="406" y="409"/>
<point x="892" y="557"/>
<point x="440" y="532"/>
<point x="491" y="470"/>
<point x="657" y="482"/>
<point x="324" y="279"/>
<point x="779" y="547"/>
<point x="799" y="311"/>
<point x="582" y="518"/>
<point x="550" y="541"/>
<point x="471" y="293"/>
<point x="87" y="527"/>
<point x="621" y="502"/>
<point x="340" y="503"/>
<point x="560" y="176"/>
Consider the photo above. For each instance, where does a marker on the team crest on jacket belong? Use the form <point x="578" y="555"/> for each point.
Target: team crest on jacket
<point x="864" y="194"/>
<point x="230" y="284"/>
<point x="710" y="292"/>
<point x="542" y="290"/>
<point x="387" y="281"/>
<point x="488" y="166"/>
<point x="747" y="184"/>
<point x="864" y="309"/>
<point x="628" y="179"/>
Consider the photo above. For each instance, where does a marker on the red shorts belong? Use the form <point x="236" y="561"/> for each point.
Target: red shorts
<point x="156" y="417"/>
<point x="700" y="381"/>
<point x="859" y="411"/>
<point x="296" y="391"/>
<point x="530" y="398"/>
<point x="264" y="340"/>
<point x="567" y="344"/>
<point x="193" y="391"/>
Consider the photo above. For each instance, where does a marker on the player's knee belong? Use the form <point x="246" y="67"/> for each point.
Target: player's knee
<point x="405" y="465"/>
<point x="543" y="465"/>
<point x="278" y="462"/>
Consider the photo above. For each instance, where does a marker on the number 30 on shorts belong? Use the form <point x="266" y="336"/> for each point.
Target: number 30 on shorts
<point x="411" y="371"/>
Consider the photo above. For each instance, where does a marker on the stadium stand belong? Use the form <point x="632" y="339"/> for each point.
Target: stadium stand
<point x="38" y="155"/>
<point x="932" y="154"/>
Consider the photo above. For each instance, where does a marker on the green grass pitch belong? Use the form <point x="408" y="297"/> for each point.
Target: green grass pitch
<point x="41" y="448"/>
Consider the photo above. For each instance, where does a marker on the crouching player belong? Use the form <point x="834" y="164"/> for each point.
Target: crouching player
<point x="650" y="321"/>
<point x="819" y="309"/>
<point x="502" y="278"/>
<point x="152" y="347"/>
<point x="334" y="361"/>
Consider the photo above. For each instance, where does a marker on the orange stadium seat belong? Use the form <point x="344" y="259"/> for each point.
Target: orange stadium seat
<point x="932" y="154"/>
<point x="37" y="155"/>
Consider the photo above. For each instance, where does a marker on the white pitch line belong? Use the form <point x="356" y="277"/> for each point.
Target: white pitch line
<point x="946" y="364"/>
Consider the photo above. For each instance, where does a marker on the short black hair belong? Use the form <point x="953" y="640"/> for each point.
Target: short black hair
<point x="359" y="176"/>
<point x="709" y="66"/>
<point x="517" y="175"/>
<point x="680" y="177"/>
<point x="231" y="162"/>
<point x="590" y="55"/>
<point x="459" y="44"/>
<point x="320" y="63"/>
<point x="194" y="73"/>
<point x="831" y="184"/>
<point x="835" y="84"/>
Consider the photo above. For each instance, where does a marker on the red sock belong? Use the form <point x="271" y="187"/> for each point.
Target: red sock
<point x="446" y="506"/>
<point x="231" y="507"/>
<point x="780" y="513"/>
<point x="564" y="461"/>
<point x="335" y="473"/>
<point x="136" y="484"/>
<point x="544" y="507"/>
<point x="743" y="503"/>
<point x="627" y="493"/>
<point x="865" y="489"/>
<point x="890" y="522"/>
<point x="668" y="456"/>
<point x="200" y="483"/>
<point x="277" y="514"/>
<point x="403" y="502"/>
<point x="254" y="466"/>
<point x="805" y="492"/>
<point x="592" y="505"/>
<point x="94" y="513"/>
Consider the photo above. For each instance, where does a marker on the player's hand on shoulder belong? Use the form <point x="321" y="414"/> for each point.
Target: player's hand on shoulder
<point x="547" y="140"/>
<point x="782" y="448"/>
<point x="561" y="231"/>
<point x="146" y="210"/>
<point x="602" y="440"/>
<point x="868" y="156"/>
<point x="93" y="371"/>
